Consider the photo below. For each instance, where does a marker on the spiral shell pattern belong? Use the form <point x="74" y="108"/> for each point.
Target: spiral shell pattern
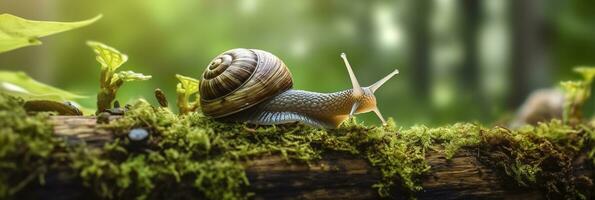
<point x="241" y="78"/>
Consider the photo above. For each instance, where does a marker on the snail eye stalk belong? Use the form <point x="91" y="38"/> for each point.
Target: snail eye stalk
<point x="375" y="87"/>
<point x="379" y="83"/>
<point x="379" y="115"/>
<point x="354" y="108"/>
<point x="357" y="90"/>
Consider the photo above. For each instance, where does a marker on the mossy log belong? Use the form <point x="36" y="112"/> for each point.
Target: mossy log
<point x="336" y="175"/>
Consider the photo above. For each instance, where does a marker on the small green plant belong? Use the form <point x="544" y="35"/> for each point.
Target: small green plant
<point x="110" y="81"/>
<point x="186" y="88"/>
<point x="577" y="93"/>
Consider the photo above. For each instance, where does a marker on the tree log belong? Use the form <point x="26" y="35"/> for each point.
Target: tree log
<point x="343" y="176"/>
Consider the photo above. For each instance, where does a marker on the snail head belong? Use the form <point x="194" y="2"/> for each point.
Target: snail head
<point x="364" y="99"/>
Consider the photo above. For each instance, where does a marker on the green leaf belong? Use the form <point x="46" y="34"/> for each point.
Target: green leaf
<point x="110" y="58"/>
<point x="127" y="76"/>
<point x="570" y="86"/>
<point x="21" y="85"/>
<point x="187" y="85"/>
<point x="588" y="73"/>
<point x="16" y="32"/>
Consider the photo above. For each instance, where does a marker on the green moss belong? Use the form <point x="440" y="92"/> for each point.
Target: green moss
<point x="399" y="154"/>
<point x="175" y="154"/>
<point x="191" y="156"/>
<point x="539" y="156"/>
<point x="26" y="143"/>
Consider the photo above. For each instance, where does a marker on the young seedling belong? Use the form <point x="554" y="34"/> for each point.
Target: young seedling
<point x="186" y="88"/>
<point x="577" y="93"/>
<point x="110" y="80"/>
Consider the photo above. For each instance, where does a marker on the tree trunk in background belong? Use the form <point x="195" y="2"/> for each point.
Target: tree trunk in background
<point x="494" y="55"/>
<point x="419" y="58"/>
<point x="367" y="35"/>
<point x="471" y="17"/>
<point x="530" y="64"/>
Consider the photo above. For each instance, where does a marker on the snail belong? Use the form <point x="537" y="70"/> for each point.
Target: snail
<point x="255" y="86"/>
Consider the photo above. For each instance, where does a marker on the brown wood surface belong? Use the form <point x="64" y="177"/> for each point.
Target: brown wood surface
<point x="343" y="176"/>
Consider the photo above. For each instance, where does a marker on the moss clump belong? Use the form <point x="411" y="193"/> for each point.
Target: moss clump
<point x="26" y="146"/>
<point x="539" y="156"/>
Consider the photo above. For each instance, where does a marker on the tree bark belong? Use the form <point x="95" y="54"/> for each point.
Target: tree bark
<point x="340" y="175"/>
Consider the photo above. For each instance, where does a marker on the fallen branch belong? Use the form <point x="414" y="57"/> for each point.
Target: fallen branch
<point x="340" y="175"/>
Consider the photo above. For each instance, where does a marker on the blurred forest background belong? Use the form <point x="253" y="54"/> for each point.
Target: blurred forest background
<point x="460" y="60"/>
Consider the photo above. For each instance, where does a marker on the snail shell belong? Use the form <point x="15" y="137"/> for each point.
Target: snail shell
<point x="241" y="78"/>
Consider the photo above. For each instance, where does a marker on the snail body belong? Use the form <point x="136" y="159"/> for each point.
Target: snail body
<point x="254" y="86"/>
<point x="312" y="108"/>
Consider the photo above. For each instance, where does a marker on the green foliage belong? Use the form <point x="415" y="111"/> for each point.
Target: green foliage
<point x="16" y="32"/>
<point x="26" y="143"/>
<point x="21" y="85"/>
<point x="110" y="81"/>
<point x="577" y="94"/>
<point x="187" y="87"/>
<point x="588" y="73"/>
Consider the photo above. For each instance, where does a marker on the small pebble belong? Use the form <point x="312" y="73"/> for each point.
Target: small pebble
<point x="138" y="134"/>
